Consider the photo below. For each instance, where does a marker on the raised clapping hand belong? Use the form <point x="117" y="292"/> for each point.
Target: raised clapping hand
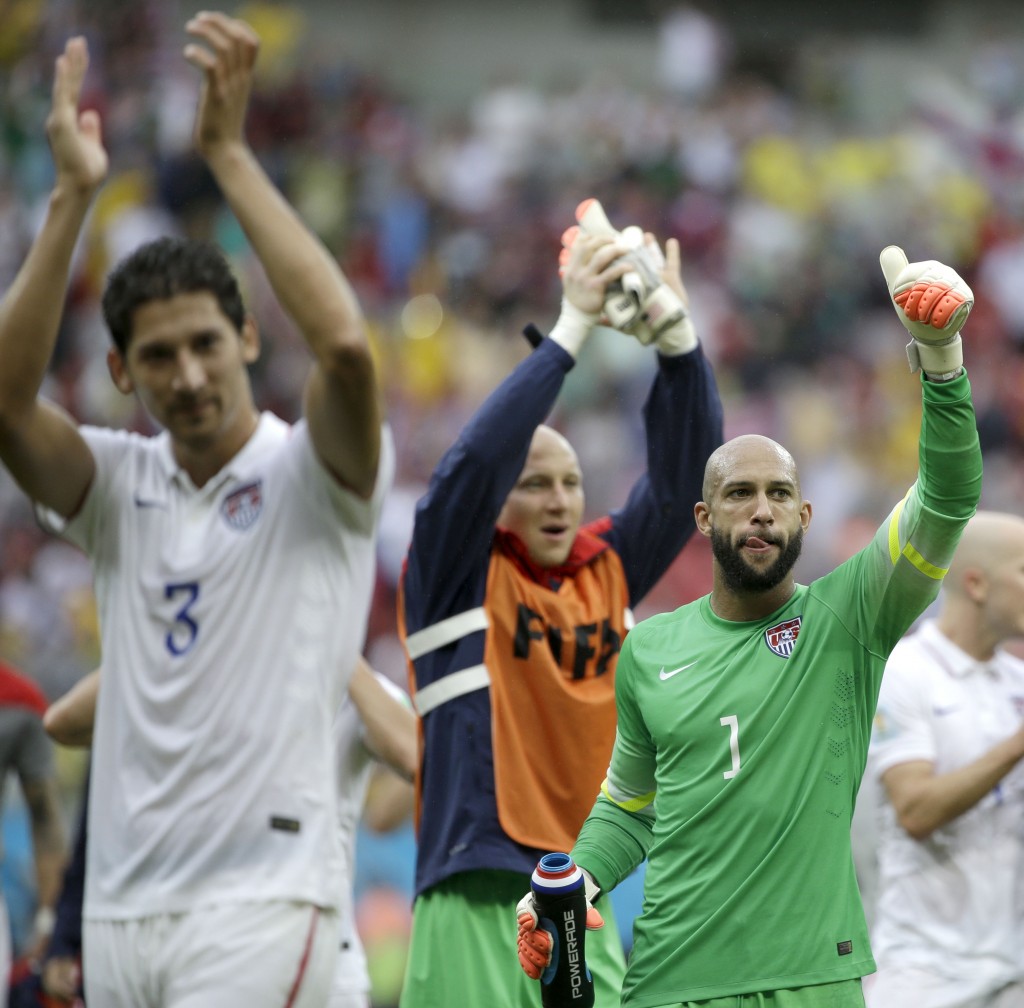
<point x="227" y="59"/>
<point x="593" y="262"/>
<point x="75" y="137"/>
<point x="651" y="304"/>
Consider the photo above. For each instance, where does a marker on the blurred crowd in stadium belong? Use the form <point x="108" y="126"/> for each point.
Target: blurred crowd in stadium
<point x="449" y="227"/>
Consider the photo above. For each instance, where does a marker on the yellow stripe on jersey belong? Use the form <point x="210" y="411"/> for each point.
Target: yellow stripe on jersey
<point x="908" y="551"/>
<point x="894" y="531"/>
<point x="637" y="804"/>
<point x="926" y="568"/>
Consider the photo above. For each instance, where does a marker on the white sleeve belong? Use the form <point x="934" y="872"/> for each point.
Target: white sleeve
<point x="359" y="514"/>
<point x="902" y="728"/>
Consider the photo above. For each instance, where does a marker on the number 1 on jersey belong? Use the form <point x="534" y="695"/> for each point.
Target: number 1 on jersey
<point x="732" y="722"/>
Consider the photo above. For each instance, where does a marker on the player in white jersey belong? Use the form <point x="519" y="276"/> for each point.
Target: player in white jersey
<point x="233" y="559"/>
<point x="376" y="737"/>
<point x="375" y="728"/>
<point x="948" y="746"/>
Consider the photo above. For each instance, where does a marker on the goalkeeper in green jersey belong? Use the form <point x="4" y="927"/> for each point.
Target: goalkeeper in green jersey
<point x="744" y="717"/>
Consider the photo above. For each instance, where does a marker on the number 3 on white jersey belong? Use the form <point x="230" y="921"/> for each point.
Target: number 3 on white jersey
<point x="184" y="629"/>
<point x="732" y="722"/>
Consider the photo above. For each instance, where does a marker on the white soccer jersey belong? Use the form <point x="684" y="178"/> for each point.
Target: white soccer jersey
<point x="228" y="617"/>
<point x="354" y="764"/>
<point x="951" y="904"/>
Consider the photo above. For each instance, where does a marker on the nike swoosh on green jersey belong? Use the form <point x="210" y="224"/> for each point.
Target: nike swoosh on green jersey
<point x="668" y="675"/>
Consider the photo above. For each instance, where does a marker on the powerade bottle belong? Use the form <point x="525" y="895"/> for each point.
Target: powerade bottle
<point x="561" y="901"/>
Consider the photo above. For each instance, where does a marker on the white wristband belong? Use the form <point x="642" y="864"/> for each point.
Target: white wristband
<point x="572" y="328"/>
<point x="936" y="359"/>
<point x="46" y="919"/>
<point x="678" y="339"/>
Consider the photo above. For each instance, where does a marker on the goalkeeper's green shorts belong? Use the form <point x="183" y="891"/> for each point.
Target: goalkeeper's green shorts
<point x="463" y="948"/>
<point x="841" y="994"/>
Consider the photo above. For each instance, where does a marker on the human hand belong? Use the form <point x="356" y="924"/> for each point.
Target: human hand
<point x="74" y="135"/>
<point x="649" y="301"/>
<point x="588" y="264"/>
<point x="624" y="298"/>
<point x="534" y="944"/>
<point x="227" y="59"/>
<point x="665" y="319"/>
<point x="61" y="978"/>
<point x="932" y="302"/>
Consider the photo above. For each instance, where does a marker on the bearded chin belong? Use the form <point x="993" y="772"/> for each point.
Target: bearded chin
<point x="741" y="577"/>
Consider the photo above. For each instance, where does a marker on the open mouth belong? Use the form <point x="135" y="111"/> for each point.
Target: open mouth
<point x="554" y="531"/>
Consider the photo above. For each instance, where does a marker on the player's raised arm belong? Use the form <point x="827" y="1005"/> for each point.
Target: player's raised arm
<point x="38" y="443"/>
<point x="342" y="402"/>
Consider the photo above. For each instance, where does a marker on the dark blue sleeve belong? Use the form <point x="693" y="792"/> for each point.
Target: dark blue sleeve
<point x="454" y="524"/>
<point x="683" y="424"/>
<point x="66" y="939"/>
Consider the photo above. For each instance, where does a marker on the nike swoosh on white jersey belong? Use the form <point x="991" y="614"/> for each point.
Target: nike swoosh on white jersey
<point x="668" y="675"/>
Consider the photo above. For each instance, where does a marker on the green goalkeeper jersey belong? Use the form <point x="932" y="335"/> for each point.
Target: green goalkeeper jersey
<point x="741" y="746"/>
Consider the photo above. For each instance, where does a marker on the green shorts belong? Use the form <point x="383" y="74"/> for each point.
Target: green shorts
<point x="842" y="994"/>
<point x="463" y="948"/>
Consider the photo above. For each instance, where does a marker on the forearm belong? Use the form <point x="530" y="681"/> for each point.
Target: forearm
<point x="950" y="455"/>
<point x="612" y="843"/>
<point x="389" y="801"/>
<point x="49" y="862"/>
<point x="389" y="724"/>
<point x="455" y="519"/>
<point x="683" y="426"/>
<point x="49" y="843"/>
<point x="30" y="312"/>
<point x="49" y="853"/>
<point x="70" y="718"/>
<point x="939" y="799"/>
<point x="305" y="278"/>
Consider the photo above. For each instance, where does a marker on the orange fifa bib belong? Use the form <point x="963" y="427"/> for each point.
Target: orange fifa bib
<point x="551" y="656"/>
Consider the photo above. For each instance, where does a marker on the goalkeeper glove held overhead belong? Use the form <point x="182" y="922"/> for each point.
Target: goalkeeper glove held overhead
<point x="933" y="302"/>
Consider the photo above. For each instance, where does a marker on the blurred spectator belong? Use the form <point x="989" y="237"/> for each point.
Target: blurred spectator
<point x="26" y="751"/>
<point x="693" y="48"/>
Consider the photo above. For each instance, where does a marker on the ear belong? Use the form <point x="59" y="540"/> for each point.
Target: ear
<point x="250" y="336"/>
<point x="119" y="371"/>
<point x="702" y="517"/>
<point x="975" y="585"/>
<point x="805" y="515"/>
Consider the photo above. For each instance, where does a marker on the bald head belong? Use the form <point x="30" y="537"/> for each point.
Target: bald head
<point x="547" y="441"/>
<point x="747" y="451"/>
<point x="545" y="507"/>
<point x="983" y="592"/>
<point x="990" y="540"/>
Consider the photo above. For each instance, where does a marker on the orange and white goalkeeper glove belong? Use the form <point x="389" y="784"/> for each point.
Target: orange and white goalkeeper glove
<point x="534" y="943"/>
<point x="933" y="302"/>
